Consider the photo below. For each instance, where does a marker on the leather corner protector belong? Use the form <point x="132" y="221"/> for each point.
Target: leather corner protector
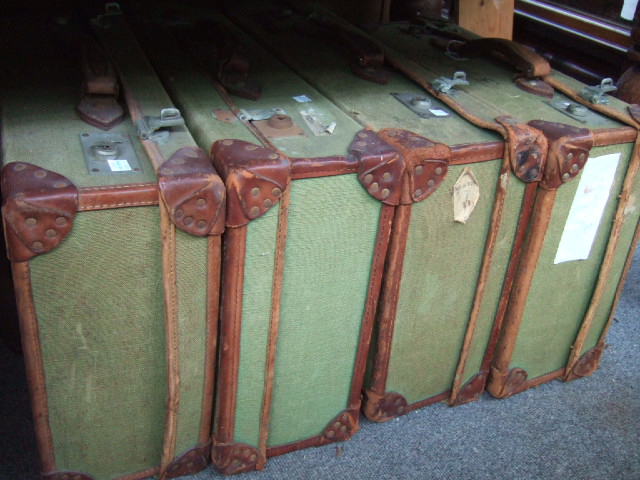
<point x="65" y="476"/>
<point x="503" y="383"/>
<point x="190" y="462"/>
<point x="471" y="390"/>
<point x="568" y="152"/>
<point x="342" y="427"/>
<point x="587" y="364"/>
<point x="232" y="458"/>
<point x="193" y="192"/>
<point x="527" y="148"/>
<point x="38" y="209"/>
<point x="380" y="408"/>
<point x="255" y="178"/>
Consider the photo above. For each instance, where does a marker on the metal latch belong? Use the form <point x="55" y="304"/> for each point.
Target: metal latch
<point x="109" y="153"/>
<point x="147" y="126"/>
<point x="444" y="84"/>
<point x="421" y="105"/>
<point x="596" y="94"/>
<point x="260" y="114"/>
<point x="574" y="110"/>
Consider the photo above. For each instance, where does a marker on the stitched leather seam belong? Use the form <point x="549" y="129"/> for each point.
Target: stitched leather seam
<point x="116" y="205"/>
<point x="117" y="187"/>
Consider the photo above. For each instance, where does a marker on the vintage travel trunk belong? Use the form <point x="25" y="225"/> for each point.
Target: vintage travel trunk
<point x="415" y="324"/>
<point x="117" y="291"/>
<point x="450" y="242"/>
<point x="582" y="230"/>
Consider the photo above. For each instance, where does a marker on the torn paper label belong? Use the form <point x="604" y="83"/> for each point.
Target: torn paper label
<point x="466" y="193"/>
<point x="302" y="99"/>
<point x="587" y="208"/>
<point x="317" y="122"/>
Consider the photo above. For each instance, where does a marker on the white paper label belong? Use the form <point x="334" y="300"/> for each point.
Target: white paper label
<point x="438" y="112"/>
<point x="587" y="208"/>
<point x="628" y="9"/>
<point x="302" y="99"/>
<point x="466" y="193"/>
<point x="119" y="165"/>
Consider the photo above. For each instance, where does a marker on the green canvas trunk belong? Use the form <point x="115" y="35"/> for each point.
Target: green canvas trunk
<point x="118" y="306"/>
<point x="438" y="307"/>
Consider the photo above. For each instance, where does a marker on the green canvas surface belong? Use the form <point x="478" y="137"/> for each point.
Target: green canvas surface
<point x="98" y="299"/>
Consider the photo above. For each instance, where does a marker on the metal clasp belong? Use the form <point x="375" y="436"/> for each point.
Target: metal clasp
<point x="596" y="94"/>
<point x="444" y="84"/>
<point x="147" y="126"/>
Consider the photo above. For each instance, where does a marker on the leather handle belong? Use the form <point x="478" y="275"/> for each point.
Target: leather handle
<point x="526" y="61"/>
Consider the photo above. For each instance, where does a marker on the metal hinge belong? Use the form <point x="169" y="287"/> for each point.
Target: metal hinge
<point x="596" y="94"/>
<point x="444" y="84"/>
<point x="147" y="126"/>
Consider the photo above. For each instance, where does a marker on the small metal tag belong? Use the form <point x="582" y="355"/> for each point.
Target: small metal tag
<point x="574" y="110"/>
<point x="110" y="153"/>
<point x="422" y="105"/>
<point x="260" y="114"/>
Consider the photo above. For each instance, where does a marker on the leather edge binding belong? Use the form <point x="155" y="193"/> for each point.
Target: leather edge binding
<point x="232" y="458"/>
<point x="587" y="364"/>
<point x="190" y="462"/>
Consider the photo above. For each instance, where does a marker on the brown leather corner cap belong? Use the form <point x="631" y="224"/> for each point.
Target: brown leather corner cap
<point x="193" y="192"/>
<point x="527" y="148"/>
<point x="38" y="209"/>
<point x="398" y="166"/>
<point x="568" y="152"/>
<point x="255" y="178"/>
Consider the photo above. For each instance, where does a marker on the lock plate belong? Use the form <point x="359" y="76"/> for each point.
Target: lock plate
<point x="423" y="105"/>
<point x="110" y="153"/>
<point x="574" y="110"/>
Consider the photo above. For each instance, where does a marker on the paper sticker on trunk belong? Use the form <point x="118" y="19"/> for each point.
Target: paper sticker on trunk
<point x="587" y="208"/>
<point x="466" y="193"/>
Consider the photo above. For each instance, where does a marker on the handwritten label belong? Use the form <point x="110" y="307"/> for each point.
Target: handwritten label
<point x="466" y="193"/>
<point x="587" y="208"/>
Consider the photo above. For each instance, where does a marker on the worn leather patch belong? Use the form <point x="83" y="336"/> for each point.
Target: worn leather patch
<point x="588" y="363"/>
<point x="38" y="209"/>
<point x="380" y="408"/>
<point x="193" y="192"/>
<point x="535" y="86"/>
<point x="527" y="148"/>
<point x="190" y="462"/>
<point x="255" y="178"/>
<point x="232" y="458"/>
<point x="342" y="427"/>
<point x="568" y="152"/>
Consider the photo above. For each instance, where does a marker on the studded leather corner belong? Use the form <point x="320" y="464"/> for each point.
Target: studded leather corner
<point x="342" y="427"/>
<point x="568" y="152"/>
<point x="527" y="149"/>
<point x="232" y="458"/>
<point x="191" y="462"/>
<point x="66" y="476"/>
<point x="38" y="209"/>
<point x="470" y="390"/>
<point x="587" y="364"/>
<point x="255" y="178"/>
<point x="380" y="408"/>
<point x="399" y="167"/>
<point x="504" y="383"/>
<point x="193" y="192"/>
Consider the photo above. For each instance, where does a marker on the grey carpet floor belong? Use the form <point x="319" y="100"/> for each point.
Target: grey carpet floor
<point x="588" y="429"/>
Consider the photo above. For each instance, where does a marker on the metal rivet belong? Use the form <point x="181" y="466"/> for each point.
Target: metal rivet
<point x="179" y="160"/>
<point x="386" y="176"/>
<point x="336" y="425"/>
<point x="534" y="172"/>
<point x="188" y="220"/>
<point x="362" y="134"/>
<point x="267" y="203"/>
<point x="275" y="192"/>
<point x="439" y="171"/>
<point x="201" y="202"/>
<point x="522" y="169"/>
<point x="20" y="166"/>
<point x="250" y="147"/>
<point x="566" y="176"/>
<point x="31" y="221"/>
<point x="202" y="224"/>
<point x="253" y="458"/>
<point x="392" y="133"/>
<point x="179" y="213"/>
<point x="330" y="434"/>
<point x="582" y="157"/>
<point x="274" y="156"/>
<point x="254" y="211"/>
<point x="255" y="192"/>
<point x="361" y="144"/>
<point x="574" y="167"/>
<point x="368" y="178"/>
<point x="418" y="192"/>
<point x="227" y="142"/>
<point x="400" y="410"/>
<point x="384" y="193"/>
<point x="431" y="183"/>
<point x="343" y="428"/>
<point x="190" y="465"/>
<point x="374" y="187"/>
<point x="37" y="245"/>
<point x="40" y="174"/>
<point x="59" y="184"/>
<point x="419" y="169"/>
<point x="397" y="402"/>
<point x="51" y="233"/>
<point x="534" y="155"/>
<point x="570" y="157"/>
<point x="60" y="221"/>
<point x="95" y="169"/>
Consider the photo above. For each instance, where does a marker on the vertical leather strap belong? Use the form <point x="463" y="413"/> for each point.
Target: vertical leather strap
<point x="34" y="365"/>
<point x="274" y="320"/>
